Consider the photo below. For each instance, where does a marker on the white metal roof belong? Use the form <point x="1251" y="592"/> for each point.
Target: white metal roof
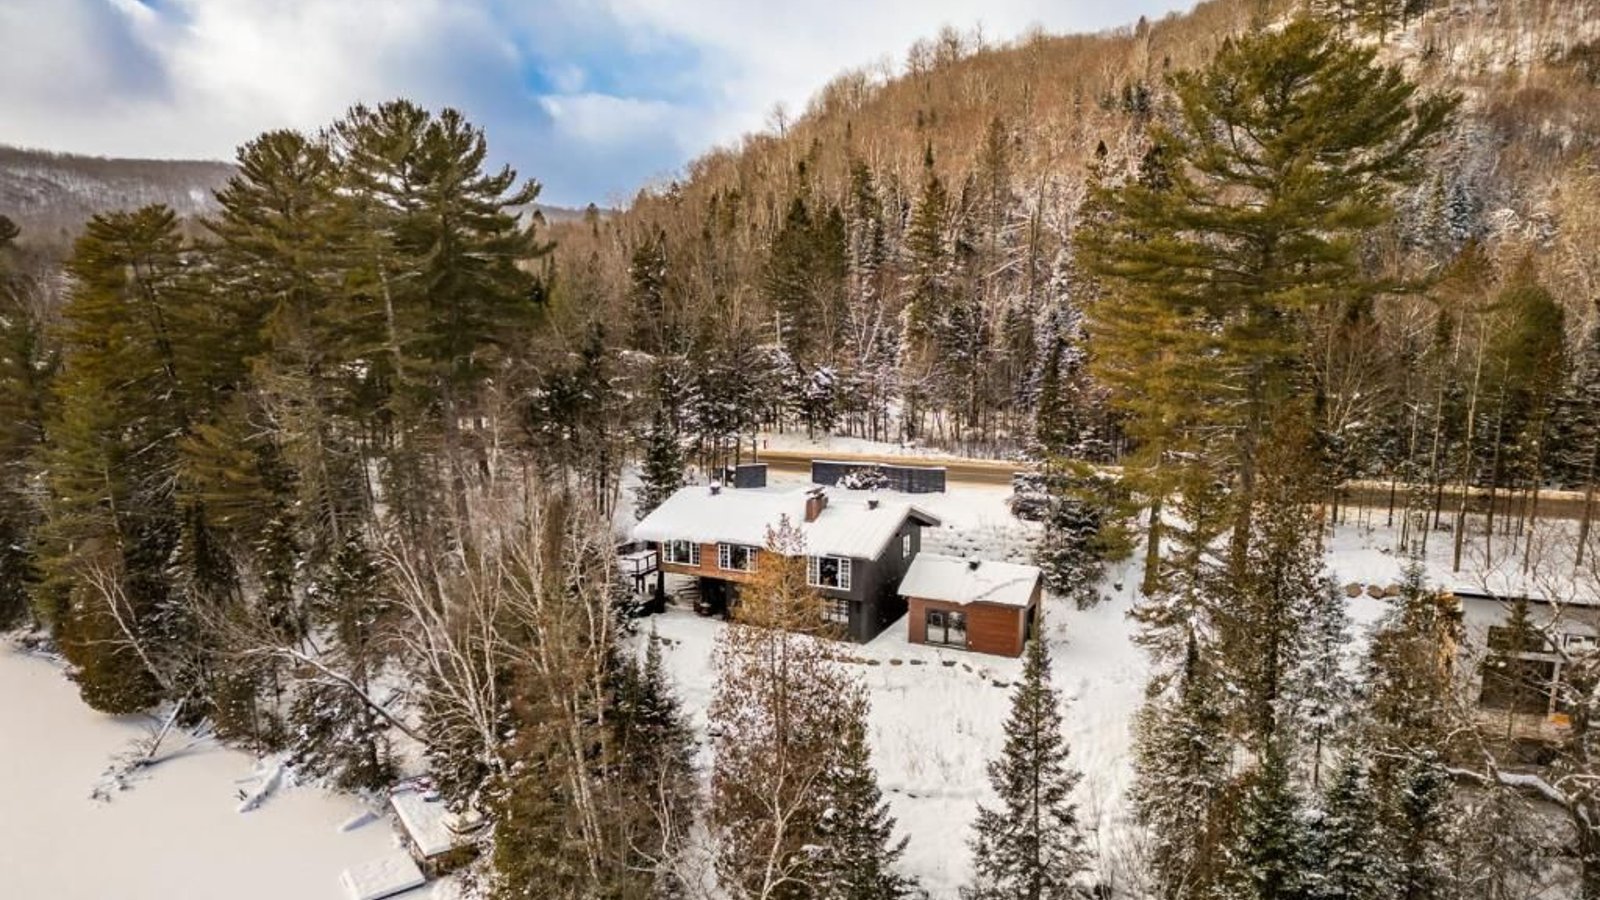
<point x="953" y="580"/>
<point x="845" y="527"/>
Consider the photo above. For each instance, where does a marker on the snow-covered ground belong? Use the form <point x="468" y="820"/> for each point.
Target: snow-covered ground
<point x="937" y="714"/>
<point x="175" y="832"/>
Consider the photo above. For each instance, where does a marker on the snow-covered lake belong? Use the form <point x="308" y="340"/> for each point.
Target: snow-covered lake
<point x="173" y="834"/>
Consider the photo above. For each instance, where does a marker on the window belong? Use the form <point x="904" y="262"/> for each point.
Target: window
<point x="1501" y="640"/>
<point x="1517" y="685"/>
<point x="828" y="572"/>
<point x="905" y="546"/>
<point x="947" y="628"/>
<point x="684" y="553"/>
<point x="736" y="557"/>
<point x="836" y="610"/>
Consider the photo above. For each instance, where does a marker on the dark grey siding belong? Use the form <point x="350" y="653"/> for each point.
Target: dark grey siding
<point x="907" y="479"/>
<point x="874" y="585"/>
<point x="750" y="475"/>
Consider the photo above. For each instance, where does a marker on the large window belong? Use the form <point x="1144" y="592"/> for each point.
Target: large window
<point x="828" y="572"/>
<point x="684" y="553"/>
<point x="1517" y="685"/>
<point x="736" y="557"/>
<point x="947" y="628"/>
<point x="1519" y="672"/>
<point x="836" y="611"/>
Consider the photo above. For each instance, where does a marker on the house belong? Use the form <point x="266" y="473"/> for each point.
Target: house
<point x="981" y="605"/>
<point x="1515" y="687"/>
<point x="856" y="549"/>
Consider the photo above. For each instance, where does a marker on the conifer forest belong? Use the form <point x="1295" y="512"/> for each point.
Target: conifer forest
<point x="1281" y="319"/>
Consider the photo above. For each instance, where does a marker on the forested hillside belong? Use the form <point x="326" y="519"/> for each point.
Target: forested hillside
<point x="51" y="195"/>
<point x="333" y="459"/>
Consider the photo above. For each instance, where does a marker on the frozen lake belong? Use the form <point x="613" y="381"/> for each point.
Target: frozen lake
<point x="174" y="833"/>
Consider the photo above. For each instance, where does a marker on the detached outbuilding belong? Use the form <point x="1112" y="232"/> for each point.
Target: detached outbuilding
<point x="971" y="604"/>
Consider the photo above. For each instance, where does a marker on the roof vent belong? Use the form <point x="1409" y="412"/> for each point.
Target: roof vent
<point x="716" y="488"/>
<point x="973" y="564"/>
<point x="872" y="503"/>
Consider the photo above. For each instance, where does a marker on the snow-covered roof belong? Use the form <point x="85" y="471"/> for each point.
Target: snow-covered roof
<point x="845" y="527"/>
<point x="381" y="878"/>
<point x="953" y="580"/>
<point x="429" y="823"/>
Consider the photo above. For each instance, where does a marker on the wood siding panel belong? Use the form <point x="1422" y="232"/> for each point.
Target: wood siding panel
<point x="708" y="565"/>
<point x="991" y="628"/>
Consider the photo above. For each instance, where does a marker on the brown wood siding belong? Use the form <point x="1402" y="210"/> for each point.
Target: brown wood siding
<point x="991" y="628"/>
<point x="708" y="565"/>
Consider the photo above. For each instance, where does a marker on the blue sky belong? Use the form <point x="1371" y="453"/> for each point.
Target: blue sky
<point x="592" y="97"/>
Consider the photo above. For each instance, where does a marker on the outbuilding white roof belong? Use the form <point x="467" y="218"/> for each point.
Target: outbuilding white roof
<point x="846" y="526"/>
<point x="380" y="878"/>
<point x="953" y="580"/>
<point x="430" y="824"/>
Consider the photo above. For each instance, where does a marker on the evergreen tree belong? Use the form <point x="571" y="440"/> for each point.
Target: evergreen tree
<point x="1287" y="148"/>
<point x="118" y="414"/>
<point x="1346" y="857"/>
<point x="1266" y="618"/>
<point x="859" y="852"/>
<point x="333" y="729"/>
<point x="1321" y="686"/>
<point x="1266" y="859"/>
<point x="27" y="366"/>
<point x="1181" y="763"/>
<point x="655" y="748"/>
<point x="661" y="472"/>
<point x="1031" y="847"/>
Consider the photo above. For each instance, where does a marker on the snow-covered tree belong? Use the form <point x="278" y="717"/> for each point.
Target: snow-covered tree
<point x="1182" y="768"/>
<point x="1030" y="846"/>
<point x="858" y="851"/>
<point x="1346" y="857"/>
<point x="1265" y="860"/>
<point x="661" y="472"/>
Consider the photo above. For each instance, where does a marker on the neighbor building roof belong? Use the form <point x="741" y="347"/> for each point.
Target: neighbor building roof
<point x="845" y="527"/>
<point x="953" y="580"/>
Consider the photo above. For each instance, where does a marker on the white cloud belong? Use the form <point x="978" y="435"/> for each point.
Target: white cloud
<point x="593" y="96"/>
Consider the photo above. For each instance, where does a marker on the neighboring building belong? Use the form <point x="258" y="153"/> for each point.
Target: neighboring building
<point x="440" y="841"/>
<point x="971" y="604"/>
<point x="1516" y="690"/>
<point x="856" y="550"/>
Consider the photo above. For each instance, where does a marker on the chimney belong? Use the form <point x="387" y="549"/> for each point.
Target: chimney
<point x="816" y="502"/>
<point x="716" y="488"/>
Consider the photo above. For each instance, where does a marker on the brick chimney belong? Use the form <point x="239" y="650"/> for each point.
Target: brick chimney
<point x="816" y="502"/>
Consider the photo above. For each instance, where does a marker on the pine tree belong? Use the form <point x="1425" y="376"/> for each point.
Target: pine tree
<point x="333" y="729"/>
<point x="1346" y="857"/>
<point x="654" y="746"/>
<point x="1031" y="847"/>
<point x="1265" y="861"/>
<point x="115" y="525"/>
<point x="1321" y="686"/>
<point x="27" y="366"/>
<point x="661" y="472"/>
<point x="859" y="853"/>
<point x="1266" y="616"/>
<point x="1181" y="763"/>
<point x="1288" y="147"/>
